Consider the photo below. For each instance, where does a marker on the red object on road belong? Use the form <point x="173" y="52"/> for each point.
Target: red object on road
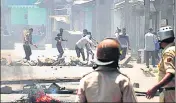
<point x="46" y="99"/>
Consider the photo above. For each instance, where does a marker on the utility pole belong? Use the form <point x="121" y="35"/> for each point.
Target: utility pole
<point x="174" y="16"/>
<point x="127" y="21"/>
<point x="147" y="14"/>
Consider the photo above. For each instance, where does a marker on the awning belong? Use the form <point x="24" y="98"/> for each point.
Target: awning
<point x="77" y="2"/>
<point x="75" y="32"/>
<point x="120" y="5"/>
<point x="61" y="18"/>
<point x="23" y="6"/>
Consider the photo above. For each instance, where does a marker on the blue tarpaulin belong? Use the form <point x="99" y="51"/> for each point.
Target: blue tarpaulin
<point x="28" y="15"/>
<point x="18" y="2"/>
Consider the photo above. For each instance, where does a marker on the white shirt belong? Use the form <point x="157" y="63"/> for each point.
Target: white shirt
<point x="150" y="40"/>
<point x="83" y="41"/>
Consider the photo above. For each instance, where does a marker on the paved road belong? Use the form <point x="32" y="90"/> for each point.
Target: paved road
<point x="19" y="54"/>
<point x="64" y="97"/>
<point x="135" y="74"/>
<point x="22" y="73"/>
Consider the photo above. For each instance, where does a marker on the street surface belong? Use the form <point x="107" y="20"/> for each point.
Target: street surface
<point x="25" y="73"/>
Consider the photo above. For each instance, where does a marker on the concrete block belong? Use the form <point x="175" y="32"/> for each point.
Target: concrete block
<point x="6" y="90"/>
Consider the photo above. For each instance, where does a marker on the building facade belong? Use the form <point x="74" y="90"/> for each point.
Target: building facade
<point x="137" y="16"/>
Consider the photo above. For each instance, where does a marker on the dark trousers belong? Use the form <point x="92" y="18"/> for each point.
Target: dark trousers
<point x="27" y="50"/>
<point x="80" y="51"/>
<point x="148" y="55"/>
<point x="89" y="52"/>
<point x="60" y="50"/>
<point x="124" y="52"/>
<point x="157" y="54"/>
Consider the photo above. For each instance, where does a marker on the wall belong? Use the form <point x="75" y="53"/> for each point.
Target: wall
<point x="88" y="18"/>
<point x="28" y="16"/>
<point x="18" y="2"/>
<point x="135" y="23"/>
<point x="103" y="19"/>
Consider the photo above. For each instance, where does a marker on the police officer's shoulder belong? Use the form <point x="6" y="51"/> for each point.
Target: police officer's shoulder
<point x="87" y="75"/>
<point x="122" y="79"/>
<point x="169" y="50"/>
<point x="124" y="76"/>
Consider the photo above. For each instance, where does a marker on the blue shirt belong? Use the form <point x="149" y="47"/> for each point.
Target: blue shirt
<point x="124" y="40"/>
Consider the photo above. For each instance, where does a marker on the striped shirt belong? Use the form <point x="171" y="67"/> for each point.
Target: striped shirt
<point x="27" y="37"/>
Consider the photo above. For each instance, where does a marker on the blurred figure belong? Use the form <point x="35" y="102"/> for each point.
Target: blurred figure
<point x="157" y="49"/>
<point x="117" y="33"/>
<point x="85" y="32"/>
<point x="27" y="41"/>
<point x="89" y="48"/>
<point x="150" y="40"/>
<point x="5" y="31"/>
<point x="59" y="40"/>
<point x="118" y="30"/>
<point x="81" y="44"/>
<point x="166" y="67"/>
<point x="43" y="29"/>
<point x="106" y="83"/>
<point x="123" y="38"/>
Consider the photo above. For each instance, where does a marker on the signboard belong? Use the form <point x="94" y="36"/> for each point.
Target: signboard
<point x="164" y="22"/>
<point x="18" y="2"/>
<point x="18" y="16"/>
<point x="36" y="16"/>
<point x="28" y="16"/>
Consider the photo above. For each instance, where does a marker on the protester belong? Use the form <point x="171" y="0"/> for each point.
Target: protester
<point x="80" y="45"/>
<point x="89" y="48"/>
<point x="27" y="41"/>
<point x="150" y="40"/>
<point x="123" y="38"/>
<point x="59" y="40"/>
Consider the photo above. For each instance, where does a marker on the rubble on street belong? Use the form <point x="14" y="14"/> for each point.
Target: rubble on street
<point x="48" y="61"/>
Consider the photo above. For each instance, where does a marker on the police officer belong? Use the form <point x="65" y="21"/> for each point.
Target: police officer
<point x="106" y="83"/>
<point x="166" y="67"/>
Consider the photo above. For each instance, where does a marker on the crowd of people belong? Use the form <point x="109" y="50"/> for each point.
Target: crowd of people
<point x="86" y="41"/>
<point x="106" y="83"/>
<point x="151" y="47"/>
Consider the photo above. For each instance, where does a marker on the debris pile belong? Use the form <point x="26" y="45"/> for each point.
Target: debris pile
<point x="48" y="61"/>
<point x="6" y="90"/>
<point x="4" y="61"/>
<point x="54" y="61"/>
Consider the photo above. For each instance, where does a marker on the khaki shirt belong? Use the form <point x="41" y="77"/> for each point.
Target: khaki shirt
<point x="105" y="85"/>
<point x="167" y="65"/>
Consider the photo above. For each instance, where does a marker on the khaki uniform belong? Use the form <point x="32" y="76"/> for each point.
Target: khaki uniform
<point x="167" y="65"/>
<point x="105" y="85"/>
